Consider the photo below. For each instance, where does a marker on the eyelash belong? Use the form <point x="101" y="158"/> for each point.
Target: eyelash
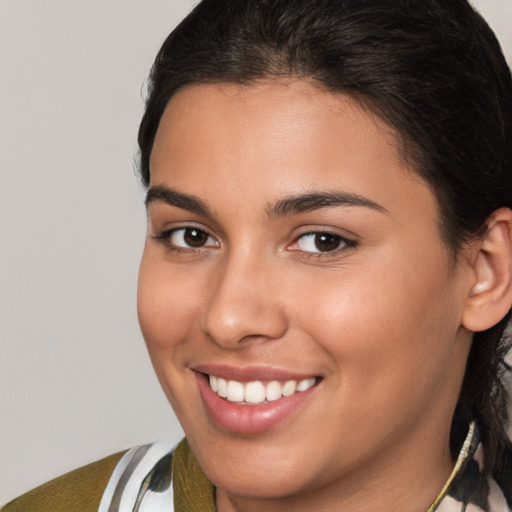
<point x="342" y="242"/>
<point x="166" y="236"/>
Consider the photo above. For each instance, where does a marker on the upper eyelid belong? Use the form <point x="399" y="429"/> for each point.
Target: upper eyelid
<point x="159" y="224"/>
<point x="176" y="226"/>
<point x="343" y="238"/>
<point x="313" y="230"/>
<point x="346" y="243"/>
<point x="350" y="239"/>
<point x="320" y="232"/>
<point x="164" y="235"/>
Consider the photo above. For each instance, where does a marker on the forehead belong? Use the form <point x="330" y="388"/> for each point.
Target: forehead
<point x="286" y="106"/>
<point x="273" y="139"/>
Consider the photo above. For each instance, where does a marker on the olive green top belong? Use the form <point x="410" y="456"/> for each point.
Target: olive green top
<point x="81" y="490"/>
<point x="78" y="491"/>
<point x="192" y="490"/>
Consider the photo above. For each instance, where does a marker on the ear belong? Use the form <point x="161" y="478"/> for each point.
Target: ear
<point x="490" y="297"/>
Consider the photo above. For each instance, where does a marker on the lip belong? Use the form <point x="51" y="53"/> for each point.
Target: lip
<point x="250" y="419"/>
<point x="251" y="373"/>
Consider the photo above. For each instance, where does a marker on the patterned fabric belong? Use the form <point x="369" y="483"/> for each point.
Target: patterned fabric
<point x="468" y="489"/>
<point x="141" y="481"/>
<point x="154" y="478"/>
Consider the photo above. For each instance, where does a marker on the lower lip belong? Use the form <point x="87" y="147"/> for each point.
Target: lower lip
<point x="249" y="419"/>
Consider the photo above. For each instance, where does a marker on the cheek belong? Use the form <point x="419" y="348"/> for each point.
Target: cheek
<point x="167" y="303"/>
<point x="389" y="330"/>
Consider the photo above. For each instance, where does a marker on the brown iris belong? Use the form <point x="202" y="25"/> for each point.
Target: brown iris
<point x="195" y="237"/>
<point x="326" y="242"/>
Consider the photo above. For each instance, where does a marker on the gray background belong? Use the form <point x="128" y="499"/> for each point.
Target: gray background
<point x="75" y="380"/>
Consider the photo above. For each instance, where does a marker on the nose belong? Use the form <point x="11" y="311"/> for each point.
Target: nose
<point x="244" y="304"/>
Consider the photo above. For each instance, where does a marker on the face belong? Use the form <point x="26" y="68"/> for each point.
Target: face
<point x="294" y="260"/>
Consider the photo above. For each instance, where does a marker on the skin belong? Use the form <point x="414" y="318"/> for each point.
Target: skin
<point x="379" y="319"/>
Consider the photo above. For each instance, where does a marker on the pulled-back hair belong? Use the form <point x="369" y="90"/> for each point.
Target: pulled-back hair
<point x="431" y="69"/>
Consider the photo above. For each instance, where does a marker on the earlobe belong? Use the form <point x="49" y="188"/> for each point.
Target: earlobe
<point x="490" y="296"/>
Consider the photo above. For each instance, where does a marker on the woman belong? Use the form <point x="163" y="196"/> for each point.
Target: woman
<point x="327" y="273"/>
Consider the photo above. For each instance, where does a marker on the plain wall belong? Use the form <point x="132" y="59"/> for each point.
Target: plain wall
<point x="75" y="380"/>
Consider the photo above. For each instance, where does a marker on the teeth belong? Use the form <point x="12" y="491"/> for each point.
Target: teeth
<point x="289" y="388"/>
<point x="222" y="386"/>
<point x="273" y="391"/>
<point x="256" y="392"/>
<point x="305" y="384"/>
<point x="235" y="391"/>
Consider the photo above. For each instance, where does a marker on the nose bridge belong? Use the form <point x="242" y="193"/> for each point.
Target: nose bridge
<point x="243" y="304"/>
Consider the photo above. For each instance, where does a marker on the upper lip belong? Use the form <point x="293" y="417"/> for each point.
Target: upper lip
<point x="251" y="373"/>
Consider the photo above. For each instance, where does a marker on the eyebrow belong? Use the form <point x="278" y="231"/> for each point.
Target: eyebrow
<point x="290" y="205"/>
<point x="316" y="200"/>
<point x="161" y="193"/>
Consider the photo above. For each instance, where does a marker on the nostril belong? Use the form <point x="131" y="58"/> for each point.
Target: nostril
<point x="244" y="325"/>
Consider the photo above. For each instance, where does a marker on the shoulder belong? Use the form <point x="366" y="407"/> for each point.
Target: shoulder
<point x="137" y="479"/>
<point x="81" y="489"/>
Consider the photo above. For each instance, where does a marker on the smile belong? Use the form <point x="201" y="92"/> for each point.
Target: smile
<point x="257" y="392"/>
<point x="253" y="400"/>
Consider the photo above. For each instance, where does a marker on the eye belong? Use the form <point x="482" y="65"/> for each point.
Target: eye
<point x="321" y="242"/>
<point x="188" y="238"/>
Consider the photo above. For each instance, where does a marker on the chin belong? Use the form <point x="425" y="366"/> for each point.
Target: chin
<point x="269" y="485"/>
<point x="254" y="471"/>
